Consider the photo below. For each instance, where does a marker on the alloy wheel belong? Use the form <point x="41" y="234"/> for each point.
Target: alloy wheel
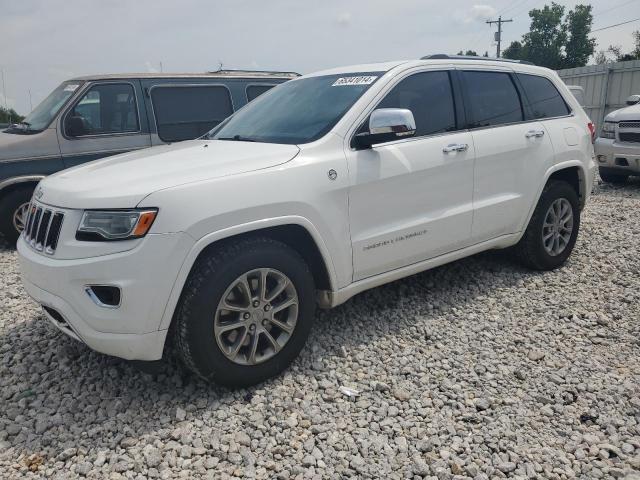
<point x="256" y="316"/>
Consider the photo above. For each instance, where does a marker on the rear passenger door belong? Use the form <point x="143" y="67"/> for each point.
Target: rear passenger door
<point x="512" y="152"/>
<point x="108" y="118"/>
<point x="187" y="111"/>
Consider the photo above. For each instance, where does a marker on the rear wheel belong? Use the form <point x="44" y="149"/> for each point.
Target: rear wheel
<point x="246" y="312"/>
<point x="612" y="177"/>
<point x="553" y="228"/>
<point x="13" y="212"/>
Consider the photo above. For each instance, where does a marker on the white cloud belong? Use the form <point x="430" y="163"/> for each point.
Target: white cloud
<point x="344" y="19"/>
<point x="482" y="12"/>
<point x="474" y="14"/>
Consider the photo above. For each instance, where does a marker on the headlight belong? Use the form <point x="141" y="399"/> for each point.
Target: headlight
<point x="100" y="225"/>
<point x="608" y="130"/>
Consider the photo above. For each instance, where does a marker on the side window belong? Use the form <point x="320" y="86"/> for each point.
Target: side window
<point x="254" y="91"/>
<point x="544" y="99"/>
<point x="493" y="98"/>
<point x="105" y="109"/>
<point x="429" y="97"/>
<point x="185" y="113"/>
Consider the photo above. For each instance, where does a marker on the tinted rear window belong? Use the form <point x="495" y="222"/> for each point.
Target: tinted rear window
<point x="493" y="98"/>
<point x="254" y="91"/>
<point x="184" y="113"/>
<point x="544" y="99"/>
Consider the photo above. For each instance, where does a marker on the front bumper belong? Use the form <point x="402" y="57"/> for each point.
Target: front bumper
<point x="612" y="154"/>
<point x="145" y="275"/>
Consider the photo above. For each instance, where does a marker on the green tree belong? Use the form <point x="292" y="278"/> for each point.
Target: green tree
<point x="468" y="53"/>
<point x="615" y="54"/>
<point x="555" y="40"/>
<point x="9" y="116"/>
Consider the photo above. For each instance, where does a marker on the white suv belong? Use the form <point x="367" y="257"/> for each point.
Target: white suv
<point x="325" y="186"/>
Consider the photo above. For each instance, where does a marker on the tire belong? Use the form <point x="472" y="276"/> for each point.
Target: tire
<point x="9" y="206"/>
<point x="200" y="345"/>
<point x="609" y="177"/>
<point x="531" y="249"/>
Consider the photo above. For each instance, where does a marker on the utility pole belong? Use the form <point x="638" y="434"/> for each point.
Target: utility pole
<point x="30" y="101"/>
<point x="498" y="34"/>
<point x="4" y="94"/>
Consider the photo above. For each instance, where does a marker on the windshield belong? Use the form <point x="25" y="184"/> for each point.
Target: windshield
<point x="43" y="114"/>
<point x="298" y="111"/>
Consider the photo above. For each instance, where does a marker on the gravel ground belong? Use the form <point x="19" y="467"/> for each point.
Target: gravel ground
<point x="478" y="369"/>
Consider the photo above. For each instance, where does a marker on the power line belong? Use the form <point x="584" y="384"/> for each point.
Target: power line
<point x="613" y="8"/>
<point x="499" y="32"/>
<point x="616" y="25"/>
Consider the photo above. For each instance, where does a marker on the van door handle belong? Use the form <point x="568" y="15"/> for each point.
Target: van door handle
<point x="455" y="147"/>
<point x="534" y="133"/>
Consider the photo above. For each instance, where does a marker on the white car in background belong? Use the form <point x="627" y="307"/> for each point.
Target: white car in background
<point x="618" y="146"/>
<point x="325" y="186"/>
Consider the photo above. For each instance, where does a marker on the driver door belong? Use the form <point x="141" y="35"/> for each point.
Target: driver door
<point x="412" y="199"/>
<point x="105" y="120"/>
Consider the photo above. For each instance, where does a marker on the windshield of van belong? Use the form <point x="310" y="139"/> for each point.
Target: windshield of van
<point x="44" y="113"/>
<point x="298" y="111"/>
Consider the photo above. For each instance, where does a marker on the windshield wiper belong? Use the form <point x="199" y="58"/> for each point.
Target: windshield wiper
<point x="237" y="138"/>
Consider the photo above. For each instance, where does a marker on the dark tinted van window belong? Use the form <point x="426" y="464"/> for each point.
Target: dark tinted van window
<point x="254" y="91"/>
<point x="184" y="113"/>
<point x="493" y="98"/>
<point x="544" y="99"/>
<point x="429" y="97"/>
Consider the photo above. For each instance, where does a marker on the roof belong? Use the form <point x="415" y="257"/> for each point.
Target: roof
<point x="439" y="59"/>
<point x="219" y="74"/>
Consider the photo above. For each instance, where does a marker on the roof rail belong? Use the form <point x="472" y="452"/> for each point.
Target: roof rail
<point x="256" y="72"/>
<point x="444" y="56"/>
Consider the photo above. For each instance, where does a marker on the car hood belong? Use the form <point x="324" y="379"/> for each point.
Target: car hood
<point x="627" y="113"/>
<point x="122" y="181"/>
<point x="16" y="146"/>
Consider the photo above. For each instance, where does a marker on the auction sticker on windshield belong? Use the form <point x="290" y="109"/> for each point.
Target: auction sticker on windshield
<point x="71" y="87"/>
<point x="361" y="80"/>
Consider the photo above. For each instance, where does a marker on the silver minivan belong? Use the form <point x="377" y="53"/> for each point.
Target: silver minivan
<point x="91" y="117"/>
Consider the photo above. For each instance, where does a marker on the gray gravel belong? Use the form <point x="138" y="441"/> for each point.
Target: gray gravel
<point x="479" y="369"/>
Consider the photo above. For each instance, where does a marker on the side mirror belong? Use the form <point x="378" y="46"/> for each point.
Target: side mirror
<point x="385" y="125"/>
<point x="74" y="127"/>
<point x="633" y="99"/>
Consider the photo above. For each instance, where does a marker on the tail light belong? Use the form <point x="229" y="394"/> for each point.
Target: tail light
<point x="592" y="130"/>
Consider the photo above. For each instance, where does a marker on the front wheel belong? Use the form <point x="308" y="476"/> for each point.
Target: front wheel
<point x="553" y="228"/>
<point x="13" y="212"/>
<point x="246" y="312"/>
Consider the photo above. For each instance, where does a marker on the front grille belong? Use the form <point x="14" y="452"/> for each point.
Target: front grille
<point x="630" y="137"/>
<point x="632" y="124"/>
<point x="42" y="229"/>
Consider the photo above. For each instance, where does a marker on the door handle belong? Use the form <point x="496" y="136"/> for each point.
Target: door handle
<point x="534" y="134"/>
<point x="455" y="147"/>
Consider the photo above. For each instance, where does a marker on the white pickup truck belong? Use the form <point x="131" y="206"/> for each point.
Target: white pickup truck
<point x="325" y="186"/>
<point x="618" y="146"/>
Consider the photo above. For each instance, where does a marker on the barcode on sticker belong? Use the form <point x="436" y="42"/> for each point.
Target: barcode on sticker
<point x="361" y="80"/>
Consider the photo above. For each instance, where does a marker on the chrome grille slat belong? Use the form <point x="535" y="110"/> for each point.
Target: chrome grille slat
<point x="43" y="228"/>
<point x="629" y="124"/>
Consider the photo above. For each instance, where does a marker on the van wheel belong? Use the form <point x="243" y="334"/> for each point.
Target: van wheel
<point x="553" y="228"/>
<point x="245" y="313"/>
<point x="615" y="178"/>
<point x="13" y="212"/>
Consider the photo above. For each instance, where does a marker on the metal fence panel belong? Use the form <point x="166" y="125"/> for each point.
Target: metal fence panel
<point x="606" y="87"/>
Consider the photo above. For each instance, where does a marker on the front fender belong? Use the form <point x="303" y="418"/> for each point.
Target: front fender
<point x="253" y="226"/>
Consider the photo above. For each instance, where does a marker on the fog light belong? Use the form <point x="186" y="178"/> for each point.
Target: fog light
<point x="106" y="296"/>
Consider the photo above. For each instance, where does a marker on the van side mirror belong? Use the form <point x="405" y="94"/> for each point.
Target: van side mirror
<point x="74" y="126"/>
<point x="633" y="99"/>
<point x="385" y="125"/>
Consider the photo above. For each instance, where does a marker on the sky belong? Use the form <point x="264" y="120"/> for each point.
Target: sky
<point x="44" y="42"/>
